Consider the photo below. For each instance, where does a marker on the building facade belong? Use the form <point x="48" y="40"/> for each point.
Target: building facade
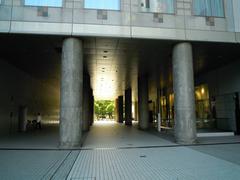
<point x="186" y="34"/>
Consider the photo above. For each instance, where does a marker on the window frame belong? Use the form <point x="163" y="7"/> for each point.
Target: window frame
<point x="120" y="3"/>
<point x="224" y="14"/>
<point x="167" y="13"/>
<point x="24" y="3"/>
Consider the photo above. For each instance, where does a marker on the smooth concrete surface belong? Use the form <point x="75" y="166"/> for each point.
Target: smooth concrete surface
<point x="71" y="93"/>
<point x="18" y="88"/>
<point x="128" y="106"/>
<point x="132" y="21"/>
<point x="184" y="97"/>
<point x="143" y="111"/>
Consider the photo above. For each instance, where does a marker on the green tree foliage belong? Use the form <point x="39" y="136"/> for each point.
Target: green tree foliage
<point x="104" y="109"/>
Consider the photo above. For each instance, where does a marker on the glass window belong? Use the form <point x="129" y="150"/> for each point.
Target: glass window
<point x="158" y="6"/>
<point x="102" y="4"/>
<point x="208" y="8"/>
<point x="52" y="3"/>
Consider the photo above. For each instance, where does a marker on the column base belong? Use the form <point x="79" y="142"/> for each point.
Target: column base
<point x="186" y="142"/>
<point x="69" y="145"/>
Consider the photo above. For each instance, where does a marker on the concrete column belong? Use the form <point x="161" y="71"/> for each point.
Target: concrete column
<point x="159" y="113"/>
<point x="128" y="107"/>
<point x="116" y="110"/>
<point x="71" y="93"/>
<point x="86" y="103"/>
<point x="184" y="98"/>
<point x="158" y="101"/>
<point x="136" y="110"/>
<point x="120" y="109"/>
<point x="22" y="118"/>
<point x="143" y="111"/>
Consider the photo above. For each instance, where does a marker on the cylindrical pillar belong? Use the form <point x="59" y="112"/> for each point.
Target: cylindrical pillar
<point x="128" y="107"/>
<point x="159" y="109"/>
<point x="116" y="110"/>
<point x="184" y="99"/>
<point x="143" y="111"/>
<point x="120" y="109"/>
<point x="71" y="93"/>
<point x="136" y="110"/>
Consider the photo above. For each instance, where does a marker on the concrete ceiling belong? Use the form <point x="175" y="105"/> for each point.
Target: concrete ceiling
<point x="113" y="64"/>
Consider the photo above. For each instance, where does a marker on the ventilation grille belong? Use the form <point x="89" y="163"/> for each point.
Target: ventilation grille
<point x="157" y="17"/>
<point x="102" y="14"/>
<point x="42" y="11"/>
<point x="210" y="21"/>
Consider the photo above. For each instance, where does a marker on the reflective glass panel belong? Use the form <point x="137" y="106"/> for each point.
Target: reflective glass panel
<point x="52" y="3"/>
<point x="102" y="4"/>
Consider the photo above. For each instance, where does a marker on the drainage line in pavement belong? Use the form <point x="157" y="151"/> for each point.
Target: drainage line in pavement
<point x="60" y="165"/>
<point x="53" y="165"/>
<point x="73" y="165"/>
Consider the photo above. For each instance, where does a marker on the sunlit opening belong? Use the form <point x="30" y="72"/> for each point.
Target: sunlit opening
<point x="103" y="122"/>
<point x="104" y="110"/>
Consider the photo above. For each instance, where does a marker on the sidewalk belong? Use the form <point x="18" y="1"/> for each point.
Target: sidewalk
<point x="114" y="151"/>
<point x="150" y="162"/>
